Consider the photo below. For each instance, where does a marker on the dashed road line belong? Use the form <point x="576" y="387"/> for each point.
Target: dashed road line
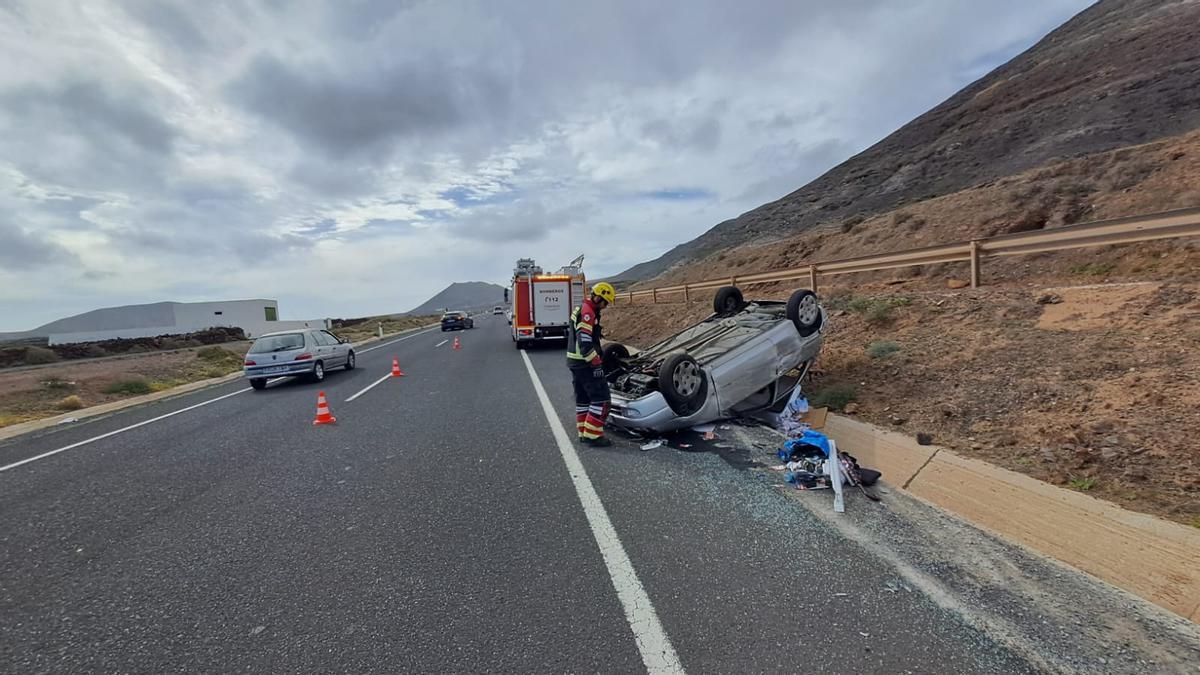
<point x="406" y="337"/>
<point x="369" y="387"/>
<point x="441" y="343"/>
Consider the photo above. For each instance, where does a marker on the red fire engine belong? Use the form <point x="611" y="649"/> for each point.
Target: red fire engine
<point x="542" y="303"/>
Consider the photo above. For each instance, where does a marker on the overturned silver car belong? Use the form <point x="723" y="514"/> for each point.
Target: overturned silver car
<point x="744" y="359"/>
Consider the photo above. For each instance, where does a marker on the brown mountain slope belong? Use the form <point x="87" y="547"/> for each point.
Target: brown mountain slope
<point x="1122" y="72"/>
<point x="1148" y="178"/>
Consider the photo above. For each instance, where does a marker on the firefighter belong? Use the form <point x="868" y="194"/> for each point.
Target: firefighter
<point x="592" y="397"/>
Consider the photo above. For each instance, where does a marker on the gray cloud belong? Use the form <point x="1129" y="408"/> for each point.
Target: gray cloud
<point x="90" y="110"/>
<point x="521" y="221"/>
<point x="23" y="250"/>
<point x="343" y="115"/>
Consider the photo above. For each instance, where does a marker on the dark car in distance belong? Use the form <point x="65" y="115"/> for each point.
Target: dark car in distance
<point x="457" y="321"/>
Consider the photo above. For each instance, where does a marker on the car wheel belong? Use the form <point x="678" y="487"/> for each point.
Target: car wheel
<point x="683" y="383"/>
<point x="350" y="361"/>
<point x="728" y="300"/>
<point x="318" y="373"/>
<point x="805" y="312"/>
<point x="614" y="355"/>
<point x="259" y="383"/>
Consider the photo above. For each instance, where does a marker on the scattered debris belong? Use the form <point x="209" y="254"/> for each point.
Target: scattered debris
<point x="657" y="443"/>
<point x="256" y="630"/>
<point x="957" y="283"/>
<point x="704" y="428"/>
<point x="924" y="438"/>
<point x="1049" y="299"/>
<point x="850" y="408"/>
<point x="69" y="420"/>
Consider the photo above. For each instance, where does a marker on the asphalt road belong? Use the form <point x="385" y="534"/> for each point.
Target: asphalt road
<point x="437" y="527"/>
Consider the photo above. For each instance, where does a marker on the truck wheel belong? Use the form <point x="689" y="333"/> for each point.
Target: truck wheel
<point x="614" y="355"/>
<point x="728" y="300"/>
<point x="805" y="312"/>
<point x="683" y="383"/>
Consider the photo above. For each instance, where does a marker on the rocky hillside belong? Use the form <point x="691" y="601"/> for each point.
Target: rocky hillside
<point x="463" y="295"/>
<point x="1121" y="73"/>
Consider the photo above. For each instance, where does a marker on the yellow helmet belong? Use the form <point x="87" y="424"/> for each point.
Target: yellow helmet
<point x="606" y="291"/>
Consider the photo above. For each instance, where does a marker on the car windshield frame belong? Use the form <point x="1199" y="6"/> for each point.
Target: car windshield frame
<point x="276" y="345"/>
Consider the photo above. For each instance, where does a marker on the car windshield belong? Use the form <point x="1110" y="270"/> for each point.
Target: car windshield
<point x="452" y="315"/>
<point x="278" y="343"/>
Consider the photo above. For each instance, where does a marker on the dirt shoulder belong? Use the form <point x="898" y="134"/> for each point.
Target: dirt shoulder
<point x="1095" y="387"/>
<point x="28" y="395"/>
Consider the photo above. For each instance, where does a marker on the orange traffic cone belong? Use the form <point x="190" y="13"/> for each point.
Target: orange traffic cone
<point x="396" y="372"/>
<point x="457" y="345"/>
<point x="323" y="414"/>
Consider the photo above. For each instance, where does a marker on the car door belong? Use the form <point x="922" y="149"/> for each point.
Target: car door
<point x="321" y="349"/>
<point x="341" y="350"/>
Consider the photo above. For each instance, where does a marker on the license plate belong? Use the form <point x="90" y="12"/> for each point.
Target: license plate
<point x="276" y="369"/>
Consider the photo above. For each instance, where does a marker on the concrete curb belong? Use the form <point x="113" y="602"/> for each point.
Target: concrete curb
<point x="1150" y="557"/>
<point x="114" y="406"/>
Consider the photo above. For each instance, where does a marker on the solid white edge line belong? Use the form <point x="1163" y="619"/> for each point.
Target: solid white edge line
<point x="369" y="387"/>
<point x="441" y="343"/>
<point x="121" y="430"/>
<point x="406" y="337"/>
<point x="657" y="653"/>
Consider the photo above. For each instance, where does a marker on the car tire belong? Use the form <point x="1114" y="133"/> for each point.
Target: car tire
<point x="258" y="383"/>
<point x="728" y="300"/>
<point x="613" y="358"/>
<point x="350" y="361"/>
<point x="318" y="373"/>
<point x="804" y="311"/>
<point x="683" y="384"/>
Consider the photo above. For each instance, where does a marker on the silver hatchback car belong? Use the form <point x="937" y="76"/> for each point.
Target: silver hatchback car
<point x="309" y="353"/>
<point x="744" y="359"/>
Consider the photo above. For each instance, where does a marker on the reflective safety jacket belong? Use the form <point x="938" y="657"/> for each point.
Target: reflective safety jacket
<point x="583" y="340"/>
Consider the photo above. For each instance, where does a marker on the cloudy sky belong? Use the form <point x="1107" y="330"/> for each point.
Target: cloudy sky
<point x="353" y="157"/>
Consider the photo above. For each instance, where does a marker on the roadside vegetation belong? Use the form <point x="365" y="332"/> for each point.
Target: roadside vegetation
<point x="356" y="330"/>
<point x="35" y="394"/>
<point x="15" y="355"/>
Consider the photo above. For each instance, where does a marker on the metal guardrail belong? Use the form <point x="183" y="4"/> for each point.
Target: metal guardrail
<point x="1166" y="225"/>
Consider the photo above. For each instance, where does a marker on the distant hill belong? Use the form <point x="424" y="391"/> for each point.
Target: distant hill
<point x="107" y="318"/>
<point x="465" y="295"/>
<point x="1120" y="73"/>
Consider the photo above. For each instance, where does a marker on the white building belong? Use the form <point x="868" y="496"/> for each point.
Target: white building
<point x="255" y="317"/>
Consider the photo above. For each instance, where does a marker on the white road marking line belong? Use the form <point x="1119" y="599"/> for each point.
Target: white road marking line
<point x="441" y="343"/>
<point x="406" y="337"/>
<point x="657" y="653"/>
<point x="121" y="430"/>
<point x="369" y="387"/>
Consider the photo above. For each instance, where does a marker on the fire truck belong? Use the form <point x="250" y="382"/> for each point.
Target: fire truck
<point x="542" y="303"/>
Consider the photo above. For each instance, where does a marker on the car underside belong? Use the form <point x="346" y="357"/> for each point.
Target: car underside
<point x="745" y="358"/>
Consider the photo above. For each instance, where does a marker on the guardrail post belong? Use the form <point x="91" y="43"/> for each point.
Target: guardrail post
<point x="733" y="281"/>
<point x="654" y="295"/>
<point x="812" y="278"/>
<point x="974" y="264"/>
<point x="686" y="297"/>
